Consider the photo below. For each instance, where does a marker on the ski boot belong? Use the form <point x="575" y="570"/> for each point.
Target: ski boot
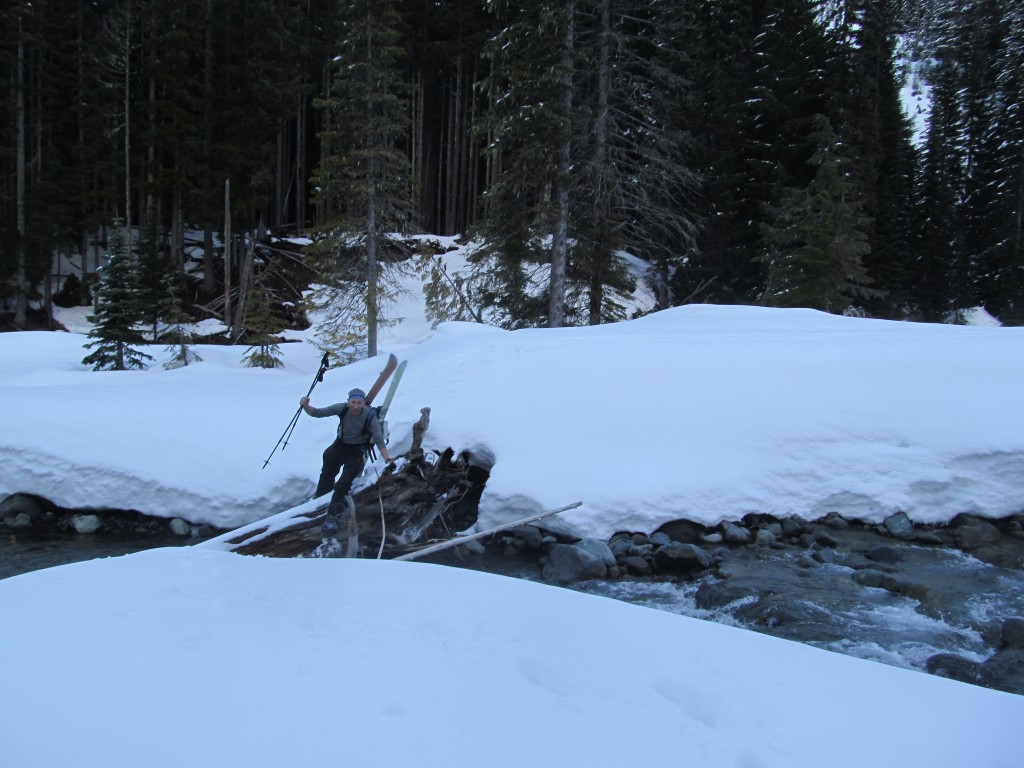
<point x="337" y="514"/>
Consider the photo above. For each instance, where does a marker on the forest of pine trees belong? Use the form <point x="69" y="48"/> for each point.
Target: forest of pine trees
<point x="748" y="151"/>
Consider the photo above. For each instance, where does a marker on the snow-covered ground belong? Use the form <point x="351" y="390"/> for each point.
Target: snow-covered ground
<point x="192" y="657"/>
<point x="699" y="412"/>
<point x="196" y="656"/>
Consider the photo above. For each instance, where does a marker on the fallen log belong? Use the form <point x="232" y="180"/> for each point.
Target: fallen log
<point x="427" y="496"/>
<point x="454" y="542"/>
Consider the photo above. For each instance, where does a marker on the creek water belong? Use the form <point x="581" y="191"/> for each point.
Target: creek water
<point x="22" y="551"/>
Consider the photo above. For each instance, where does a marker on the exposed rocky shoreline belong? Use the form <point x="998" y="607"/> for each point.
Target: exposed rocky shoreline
<point x="24" y="512"/>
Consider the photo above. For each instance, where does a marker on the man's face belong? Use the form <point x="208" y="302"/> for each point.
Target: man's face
<point x="355" y="404"/>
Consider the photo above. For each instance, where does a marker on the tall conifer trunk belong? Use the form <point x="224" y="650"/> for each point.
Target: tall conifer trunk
<point x="560" y="237"/>
<point x="21" y="308"/>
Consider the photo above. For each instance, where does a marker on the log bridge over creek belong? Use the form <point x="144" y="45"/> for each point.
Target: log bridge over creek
<point x="415" y="507"/>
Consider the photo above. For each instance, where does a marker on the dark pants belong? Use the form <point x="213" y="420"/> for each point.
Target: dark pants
<point x="337" y="456"/>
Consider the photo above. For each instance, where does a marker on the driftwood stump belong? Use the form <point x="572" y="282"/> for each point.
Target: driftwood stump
<point x="431" y="497"/>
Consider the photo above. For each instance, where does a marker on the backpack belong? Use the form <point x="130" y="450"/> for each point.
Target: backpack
<point x="369" y="448"/>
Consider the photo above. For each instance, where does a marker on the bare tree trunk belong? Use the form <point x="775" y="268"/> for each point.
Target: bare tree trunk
<point x="280" y="168"/>
<point x="320" y="212"/>
<point x="474" y="163"/>
<point x="560" y="237"/>
<point x="227" y="252"/>
<point x="416" y="152"/>
<point x="454" y="131"/>
<point x="600" y="212"/>
<point x="21" y="291"/>
<point x="209" y="281"/>
<point x="127" y="123"/>
<point x="300" y="162"/>
<point x="48" y="294"/>
<point x="372" y="247"/>
<point x="177" y="221"/>
<point x="245" y="282"/>
<point x="150" y="196"/>
<point x="83" y="235"/>
<point x="97" y="244"/>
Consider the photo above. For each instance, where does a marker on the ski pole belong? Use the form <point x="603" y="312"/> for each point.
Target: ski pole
<point x="287" y="434"/>
<point x="295" y="419"/>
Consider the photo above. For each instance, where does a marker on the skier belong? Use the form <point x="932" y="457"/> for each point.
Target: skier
<point x="358" y="428"/>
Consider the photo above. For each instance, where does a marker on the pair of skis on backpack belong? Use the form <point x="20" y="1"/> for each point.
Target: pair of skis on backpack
<point x="330" y="547"/>
<point x="391" y="367"/>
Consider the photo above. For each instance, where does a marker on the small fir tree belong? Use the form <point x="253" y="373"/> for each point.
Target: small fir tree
<point x="118" y="311"/>
<point x="153" y="271"/>
<point x="178" y="335"/>
<point x="262" y="324"/>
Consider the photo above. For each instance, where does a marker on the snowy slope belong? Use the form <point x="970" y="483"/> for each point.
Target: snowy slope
<point x="702" y="412"/>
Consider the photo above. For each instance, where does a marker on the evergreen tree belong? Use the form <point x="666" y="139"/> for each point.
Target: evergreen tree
<point x="172" y="312"/>
<point x="786" y="92"/>
<point x="529" y="130"/>
<point x="153" y="271"/>
<point x="940" y="276"/>
<point x="586" y="147"/>
<point x="722" y="73"/>
<point x="635" y="182"/>
<point x="868" y="116"/>
<point x="816" y="238"/>
<point x="118" y="313"/>
<point x="262" y="325"/>
<point x="364" y="177"/>
<point x="993" y="139"/>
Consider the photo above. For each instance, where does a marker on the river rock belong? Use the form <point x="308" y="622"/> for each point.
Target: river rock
<point x="955" y="668"/>
<point x="765" y="538"/>
<point x="682" y="531"/>
<point x="86" y="523"/>
<point x="1005" y="670"/>
<point x="975" y="533"/>
<point x="883" y="553"/>
<point x="807" y="560"/>
<point x="620" y="548"/>
<point x="599" y="549"/>
<point x="681" y="558"/>
<point x="899" y="525"/>
<point x="638" y="566"/>
<point x="473" y="546"/>
<point x="835" y="520"/>
<point x="19" y="520"/>
<point x="567" y="563"/>
<point x="180" y="527"/>
<point x="531" y="536"/>
<point x="871" y="578"/>
<point x="781" y="610"/>
<point x="826" y="555"/>
<point x="646" y="551"/>
<point x="716" y="594"/>
<point x="26" y="504"/>
<point x="1013" y="634"/>
<point x="825" y="539"/>
<point x="931" y="538"/>
<point x="735" y="534"/>
<point x="793" y="526"/>
<point x="660" y="539"/>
